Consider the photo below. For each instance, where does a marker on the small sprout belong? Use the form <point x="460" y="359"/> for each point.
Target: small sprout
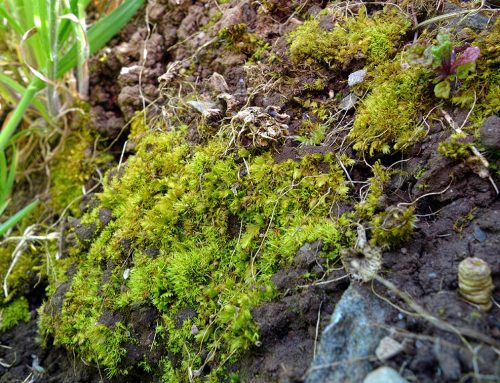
<point x="449" y="63"/>
<point x="474" y="282"/>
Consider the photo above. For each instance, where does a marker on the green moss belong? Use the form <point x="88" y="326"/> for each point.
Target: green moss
<point x="372" y="38"/>
<point x="71" y="168"/>
<point x="480" y="90"/>
<point x="220" y="226"/>
<point x="237" y="39"/>
<point x="393" y="226"/>
<point x="14" y="313"/>
<point x="388" y="117"/>
<point x="456" y="147"/>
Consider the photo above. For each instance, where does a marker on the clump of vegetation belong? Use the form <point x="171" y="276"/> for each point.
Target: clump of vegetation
<point x="71" y="168"/>
<point x="220" y="226"/>
<point x="388" y="118"/>
<point x="449" y="62"/>
<point x="372" y="38"/>
<point x="457" y="146"/>
<point x="13" y="313"/>
<point x="393" y="226"/>
<point x="237" y="39"/>
<point x="54" y="45"/>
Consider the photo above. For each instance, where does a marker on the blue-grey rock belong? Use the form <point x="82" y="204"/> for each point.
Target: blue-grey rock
<point x="352" y="335"/>
<point x="384" y="375"/>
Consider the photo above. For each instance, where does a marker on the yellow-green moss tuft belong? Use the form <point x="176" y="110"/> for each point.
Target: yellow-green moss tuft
<point x="14" y="313"/>
<point x="71" y="168"/>
<point x="388" y="117"/>
<point x="219" y="227"/>
<point x="373" y="38"/>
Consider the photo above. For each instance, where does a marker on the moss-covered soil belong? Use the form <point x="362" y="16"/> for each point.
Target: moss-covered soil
<point x="201" y="214"/>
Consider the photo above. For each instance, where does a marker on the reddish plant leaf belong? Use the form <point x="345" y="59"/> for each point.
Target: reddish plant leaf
<point x="470" y="55"/>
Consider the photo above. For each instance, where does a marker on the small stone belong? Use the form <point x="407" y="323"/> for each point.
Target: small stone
<point x="490" y="133"/>
<point x="449" y="362"/>
<point x="218" y="83"/>
<point x="86" y="231"/>
<point x="126" y="273"/>
<point x="348" y="102"/>
<point x="356" y="77"/>
<point x="194" y="330"/>
<point x="384" y="375"/>
<point x="479" y="234"/>
<point x="387" y="348"/>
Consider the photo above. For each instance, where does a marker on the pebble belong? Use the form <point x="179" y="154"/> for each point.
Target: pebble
<point x="384" y="375"/>
<point x="387" y="348"/>
<point x="356" y="77"/>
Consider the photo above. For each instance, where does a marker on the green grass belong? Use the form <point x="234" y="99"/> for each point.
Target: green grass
<point x="52" y="39"/>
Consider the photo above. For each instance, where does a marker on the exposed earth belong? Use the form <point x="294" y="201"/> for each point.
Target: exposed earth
<point x="208" y="61"/>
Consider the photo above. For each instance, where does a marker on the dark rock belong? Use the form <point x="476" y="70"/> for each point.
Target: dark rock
<point x="425" y="359"/>
<point x="86" y="232"/>
<point x="308" y="254"/>
<point x="490" y="133"/>
<point x="183" y="315"/>
<point x="105" y="216"/>
<point x="350" y="338"/>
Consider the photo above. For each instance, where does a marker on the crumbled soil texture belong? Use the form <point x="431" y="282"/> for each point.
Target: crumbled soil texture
<point x="458" y="212"/>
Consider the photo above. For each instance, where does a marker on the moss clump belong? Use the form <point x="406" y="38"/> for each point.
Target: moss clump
<point x="198" y="228"/>
<point x="457" y="146"/>
<point x="373" y="38"/>
<point x="393" y="226"/>
<point x="481" y="88"/>
<point x="237" y="39"/>
<point x="14" y="313"/>
<point x="71" y="168"/>
<point x="388" y="117"/>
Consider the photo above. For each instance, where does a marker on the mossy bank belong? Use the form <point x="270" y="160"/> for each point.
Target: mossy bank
<point x="184" y="237"/>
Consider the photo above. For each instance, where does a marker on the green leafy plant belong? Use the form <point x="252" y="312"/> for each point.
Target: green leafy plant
<point x="52" y="38"/>
<point x="450" y="63"/>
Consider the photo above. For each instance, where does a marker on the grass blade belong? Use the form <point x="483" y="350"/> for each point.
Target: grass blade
<point x="101" y="32"/>
<point x="17" y="217"/>
<point x="18" y="88"/>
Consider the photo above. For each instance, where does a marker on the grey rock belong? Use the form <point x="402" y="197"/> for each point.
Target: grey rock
<point x="479" y="235"/>
<point x="352" y="335"/>
<point x="449" y="362"/>
<point x="388" y="348"/>
<point x="384" y="375"/>
<point x="490" y="132"/>
<point x="105" y="216"/>
<point x="356" y="77"/>
<point x="473" y="20"/>
<point x="348" y="102"/>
